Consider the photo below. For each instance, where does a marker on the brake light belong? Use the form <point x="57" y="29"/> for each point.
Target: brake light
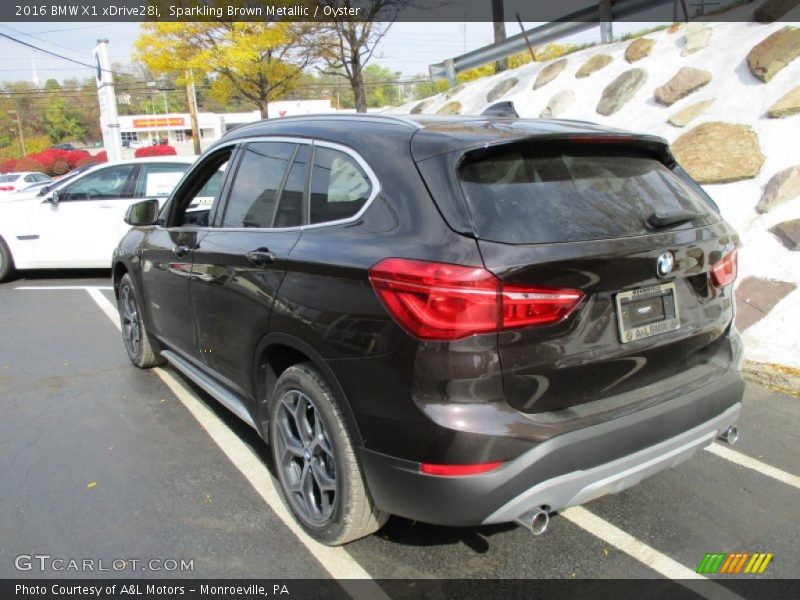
<point x="6" y="188"/>
<point x="724" y="272"/>
<point x="457" y="470"/>
<point x="439" y="301"/>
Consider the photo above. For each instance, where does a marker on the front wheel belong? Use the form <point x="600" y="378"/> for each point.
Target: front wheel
<point x="315" y="459"/>
<point x="142" y="351"/>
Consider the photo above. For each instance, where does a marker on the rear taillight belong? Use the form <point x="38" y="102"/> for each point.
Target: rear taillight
<point x="724" y="272"/>
<point x="439" y="301"/>
<point x="6" y="188"/>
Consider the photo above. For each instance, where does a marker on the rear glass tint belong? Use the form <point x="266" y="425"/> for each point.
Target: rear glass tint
<point x="521" y="198"/>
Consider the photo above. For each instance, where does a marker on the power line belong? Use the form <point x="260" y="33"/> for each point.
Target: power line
<point x="42" y="40"/>
<point x="37" y="48"/>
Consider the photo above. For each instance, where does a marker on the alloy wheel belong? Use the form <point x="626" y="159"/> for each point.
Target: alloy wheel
<point x="305" y="458"/>
<point x="131" y="322"/>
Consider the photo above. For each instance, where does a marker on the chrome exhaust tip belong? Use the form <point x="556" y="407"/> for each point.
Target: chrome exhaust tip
<point x="730" y="436"/>
<point x="536" y="521"/>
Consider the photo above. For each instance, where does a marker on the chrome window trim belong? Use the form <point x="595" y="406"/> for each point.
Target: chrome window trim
<point x="376" y="185"/>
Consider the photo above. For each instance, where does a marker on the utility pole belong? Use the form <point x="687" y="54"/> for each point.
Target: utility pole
<point x="21" y="137"/>
<point x="191" y="100"/>
<point x="498" y="18"/>
<point x="109" y="121"/>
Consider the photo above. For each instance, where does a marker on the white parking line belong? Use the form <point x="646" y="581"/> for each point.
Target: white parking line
<point x="651" y="558"/>
<point x="752" y="463"/>
<point x="336" y="561"/>
<point x="64" y="287"/>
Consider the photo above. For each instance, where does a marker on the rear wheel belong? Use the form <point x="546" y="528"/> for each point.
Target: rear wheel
<point x="142" y="351"/>
<point x="315" y="458"/>
<point x="6" y="262"/>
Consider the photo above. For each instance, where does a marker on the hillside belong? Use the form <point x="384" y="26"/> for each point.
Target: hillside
<point x="732" y="91"/>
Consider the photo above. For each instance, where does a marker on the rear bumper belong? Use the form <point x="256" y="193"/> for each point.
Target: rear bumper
<point x="566" y="470"/>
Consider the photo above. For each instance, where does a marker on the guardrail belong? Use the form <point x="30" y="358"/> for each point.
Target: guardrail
<point x="586" y="18"/>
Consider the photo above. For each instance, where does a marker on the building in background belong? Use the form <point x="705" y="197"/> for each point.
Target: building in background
<point x="176" y="128"/>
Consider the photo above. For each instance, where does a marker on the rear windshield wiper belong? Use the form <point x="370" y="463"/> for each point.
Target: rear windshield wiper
<point x="666" y="219"/>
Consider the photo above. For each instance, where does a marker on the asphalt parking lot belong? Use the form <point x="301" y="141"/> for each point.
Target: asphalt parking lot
<point x="101" y="460"/>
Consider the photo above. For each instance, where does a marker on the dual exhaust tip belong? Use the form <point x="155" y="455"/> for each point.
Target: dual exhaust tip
<point x="535" y="521"/>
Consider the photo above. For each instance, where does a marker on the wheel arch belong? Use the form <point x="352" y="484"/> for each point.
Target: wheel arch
<point x="275" y="353"/>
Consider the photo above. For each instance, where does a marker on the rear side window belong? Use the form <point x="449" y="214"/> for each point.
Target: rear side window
<point x="255" y="188"/>
<point x="339" y="186"/>
<point x="523" y="197"/>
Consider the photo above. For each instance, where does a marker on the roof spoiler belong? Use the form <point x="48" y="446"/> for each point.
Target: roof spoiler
<point x="501" y="109"/>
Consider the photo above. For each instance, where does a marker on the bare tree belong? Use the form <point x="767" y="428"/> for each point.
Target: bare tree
<point x="351" y="44"/>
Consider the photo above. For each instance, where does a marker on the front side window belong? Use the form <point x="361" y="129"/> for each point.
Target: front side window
<point x="339" y="186"/>
<point x="202" y="188"/>
<point x="158" y="180"/>
<point x="105" y="184"/>
<point x="256" y="184"/>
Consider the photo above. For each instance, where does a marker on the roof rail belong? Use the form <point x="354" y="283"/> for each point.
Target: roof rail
<point x="375" y="117"/>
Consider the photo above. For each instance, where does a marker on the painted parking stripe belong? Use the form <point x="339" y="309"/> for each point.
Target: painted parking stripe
<point x="754" y="464"/>
<point x="662" y="564"/>
<point x="336" y="561"/>
<point x="64" y="287"/>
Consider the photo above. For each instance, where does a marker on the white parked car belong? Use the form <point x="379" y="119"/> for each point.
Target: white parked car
<point x="15" y="182"/>
<point x="78" y="222"/>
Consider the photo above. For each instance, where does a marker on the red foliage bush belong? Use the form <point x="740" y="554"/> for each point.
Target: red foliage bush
<point x="101" y="156"/>
<point x="60" y="167"/>
<point x="88" y="160"/>
<point x="160" y="150"/>
<point x="29" y="164"/>
<point x="8" y="166"/>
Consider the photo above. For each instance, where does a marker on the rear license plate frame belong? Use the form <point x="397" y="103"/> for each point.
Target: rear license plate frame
<point x="632" y="333"/>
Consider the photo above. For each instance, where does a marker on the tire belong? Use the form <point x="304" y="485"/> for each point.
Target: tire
<point x="6" y="262"/>
<point x="142" y="351"/>
<point x="314" y="456"/>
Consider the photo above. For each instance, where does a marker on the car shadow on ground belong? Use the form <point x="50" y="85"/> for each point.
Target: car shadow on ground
<point x="42" y="275"/>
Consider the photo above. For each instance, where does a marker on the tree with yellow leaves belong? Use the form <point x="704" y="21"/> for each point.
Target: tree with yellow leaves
<point x="260" y="61"/>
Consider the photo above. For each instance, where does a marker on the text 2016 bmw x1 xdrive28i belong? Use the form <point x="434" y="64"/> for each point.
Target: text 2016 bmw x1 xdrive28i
<point x="458" y="320"/>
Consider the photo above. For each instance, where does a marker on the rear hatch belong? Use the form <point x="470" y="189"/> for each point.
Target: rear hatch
<point x="615" y="220"/>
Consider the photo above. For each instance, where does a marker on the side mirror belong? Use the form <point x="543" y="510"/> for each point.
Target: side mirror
<point x="53" y="198"/>
<point x="142" y="214"/>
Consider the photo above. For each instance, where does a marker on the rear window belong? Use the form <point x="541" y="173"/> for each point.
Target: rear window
<point x="523" y="197"/>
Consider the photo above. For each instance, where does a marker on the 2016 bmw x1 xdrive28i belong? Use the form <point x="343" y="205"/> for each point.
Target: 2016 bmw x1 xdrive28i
<point x="457" y="320"/>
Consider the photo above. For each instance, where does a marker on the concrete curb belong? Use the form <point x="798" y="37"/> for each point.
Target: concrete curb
<point x="778" y="377"/>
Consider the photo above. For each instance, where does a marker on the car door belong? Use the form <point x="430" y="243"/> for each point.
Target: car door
<point x="167" y="253"/>
<point x="81" y="228"/>
<point x="240" y="264"/>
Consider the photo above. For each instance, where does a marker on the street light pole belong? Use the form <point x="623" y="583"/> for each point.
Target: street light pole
<point x="19" y="125"/>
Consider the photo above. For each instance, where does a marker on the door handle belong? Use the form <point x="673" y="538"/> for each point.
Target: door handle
<point x="181" y="250"/>
<point x="261" y="257"/>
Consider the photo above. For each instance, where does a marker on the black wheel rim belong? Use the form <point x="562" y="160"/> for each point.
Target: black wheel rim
<point x="305" y="458"/>
<point x="131" y="322"/>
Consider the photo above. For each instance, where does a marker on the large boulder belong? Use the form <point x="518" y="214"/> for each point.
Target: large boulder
<point x="619" y="91"/>
<point x="774" y="52"/>
<point x="423" y="106"/>
<point x="772" y="10"/>
<point x="638" y="49"/>
<point x="696" y="37"/>
<point x="451" y="108"/>
<point x="789" y="104"/>
<point x="690" y="113"/>
<point x="501" y="89"/>
<point x="782" y="187"/>
<point x="595" y="63"/>
<point x="719" y="152"/>
<point x="788" y="233"/>
<point x="549" y="73"/>
<point x="686" y="81"/>
<point x="558" y="104"/>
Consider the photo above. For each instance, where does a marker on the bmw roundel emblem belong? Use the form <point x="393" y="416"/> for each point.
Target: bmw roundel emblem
<point x="664" y="264"/>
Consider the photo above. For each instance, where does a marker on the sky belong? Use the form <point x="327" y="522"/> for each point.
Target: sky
<point x="407" y="48"/>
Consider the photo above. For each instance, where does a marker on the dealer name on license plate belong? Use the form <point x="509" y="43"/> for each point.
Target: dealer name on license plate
<point x="648" y="311"/>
